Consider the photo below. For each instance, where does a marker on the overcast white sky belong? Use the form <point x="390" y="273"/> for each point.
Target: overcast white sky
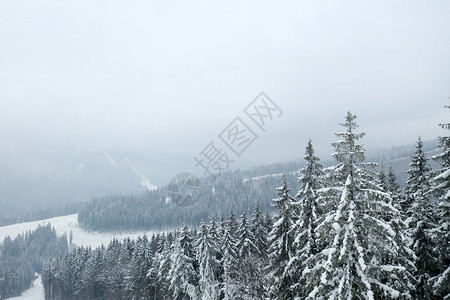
<point x="168" y="76"/>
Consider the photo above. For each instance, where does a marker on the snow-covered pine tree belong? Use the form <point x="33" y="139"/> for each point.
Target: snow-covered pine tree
<point x="402" y="280"/>
<point x="382" y="178"/>
<point x="228" y="263"/>
<point x="232" y="224"/>
<point x="181" y="274"/>
<point x="92" y="287"/>
<point x="159" y="270"/>
<point x="137" y="282"/>
<point x="418" y="182"/>
<point x="419" y="210"/>
<point x="281" y="249"/>
<point x="222" y="225"/>
<point x="183" y="266"/>
<point x="111" y="277"/>
<point x="441" y="189"/>
<point x="215" y="240"/>
<point x="393" y="187"/>
<point x="249" y="281"/>
<point x="213" y="230"/>
<point x="304" y="227"/>
<point x="208" y="264"/>
<point x="405" y="255"/>
<point x="125" y="255"/>
<point x="245" y="242"/>
<point x="391" y="182"/>
<point x="355" y="240"/>
<point x="259" y="231"/>
<point x="187" y="242"/>
<point x="268" y="222"/>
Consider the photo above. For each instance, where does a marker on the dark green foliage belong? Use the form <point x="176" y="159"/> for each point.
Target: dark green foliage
<point x="22" y="257"/>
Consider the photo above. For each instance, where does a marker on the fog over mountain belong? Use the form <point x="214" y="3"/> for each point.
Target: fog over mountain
<point x="86" y="83"/>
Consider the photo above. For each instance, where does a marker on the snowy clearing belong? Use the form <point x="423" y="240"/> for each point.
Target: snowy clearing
<point x="36" y="292"/>
<point x="66" y="224"/>
<point x="266" y="176"/>
<point x="110" y="159"/>
<point x="144" y="181"/>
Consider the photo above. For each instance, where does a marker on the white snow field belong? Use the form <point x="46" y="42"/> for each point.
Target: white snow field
<point x="36" y="292"/>
<point x="64" y="224"/>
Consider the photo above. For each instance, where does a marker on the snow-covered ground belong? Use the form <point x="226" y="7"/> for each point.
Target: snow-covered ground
<point x="36" y="292"/>
<point x="144" y="181"/>
<point x="64" y="224"/>
<point x="266" y="176"/>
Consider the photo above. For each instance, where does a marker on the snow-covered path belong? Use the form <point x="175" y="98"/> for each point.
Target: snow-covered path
<point x="66" y="224"/>
<point x="36" y="292"/>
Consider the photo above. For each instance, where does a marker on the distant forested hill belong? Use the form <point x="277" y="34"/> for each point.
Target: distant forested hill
<point x="234" y="190"/>
<point x="231" y="191"/>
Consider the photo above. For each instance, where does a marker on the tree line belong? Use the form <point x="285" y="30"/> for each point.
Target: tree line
<point x="66" y="209"/>
<point x="150" y="210"/>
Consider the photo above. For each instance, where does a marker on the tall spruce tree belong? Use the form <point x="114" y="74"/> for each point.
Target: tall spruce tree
<point x="249" y="281"/>
<point x="354" y="240"/>
<point x="259" y="231"/>
<point x="392" y="185"/>
<point x="304" y="228"/>
<point x="245" y="242"/>
<point x="268" y="223"/>
<point x="418" y="182"/>
<point x="232" y="224"/>
<point x="281" y="249"/>
<point x="383" y="178"/>
<point x="182" y="274"/>
<point x="187" y="242"/>
<point x="228" y="263"/>
<point x="441" y="190"/>
<point x="208" y="265"/>
<point x="419" y="211"/>
<point x="405" y="255"/>
<point x="137" y="281"/>
<point x="160" y="268"/>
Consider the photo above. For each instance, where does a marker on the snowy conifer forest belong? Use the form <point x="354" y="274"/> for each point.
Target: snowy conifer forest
<point x="21" y="258"/>
<point x="340" y="232"/>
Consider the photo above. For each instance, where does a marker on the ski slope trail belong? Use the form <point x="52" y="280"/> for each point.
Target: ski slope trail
<point x="35" y="292"/>
<point x="67" y="224"/>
